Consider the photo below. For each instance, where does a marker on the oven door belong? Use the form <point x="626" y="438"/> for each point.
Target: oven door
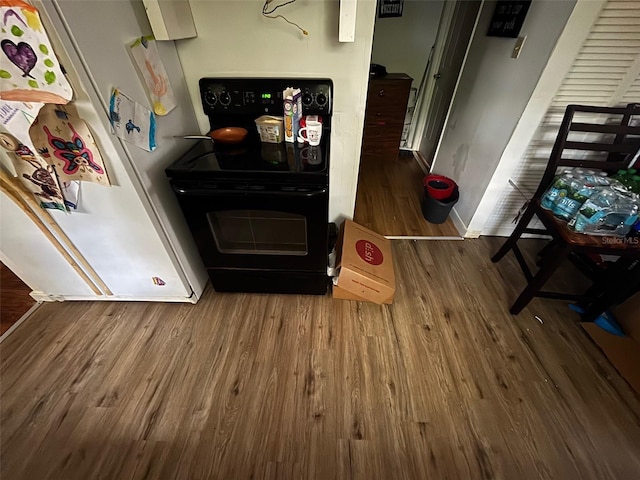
<point x="258" y="227"/>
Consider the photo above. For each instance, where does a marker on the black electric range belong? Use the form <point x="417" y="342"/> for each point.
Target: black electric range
<point x="255" y="161"/>
<point x="258" y="211"/>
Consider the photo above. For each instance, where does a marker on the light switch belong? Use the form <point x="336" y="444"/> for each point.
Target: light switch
<point x="518" y="47"/>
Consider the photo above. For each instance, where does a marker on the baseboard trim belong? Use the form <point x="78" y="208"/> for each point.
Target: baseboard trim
<point x="43" y="297"/>
<point x="459" y="224"/>
<point x="424" y="165"/>
<point x="410" y="237"/>
<point x="19" y="322"/>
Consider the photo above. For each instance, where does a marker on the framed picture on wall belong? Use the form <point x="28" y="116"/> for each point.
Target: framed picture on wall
<point x="508" y="18"/>
<point x="390" y="8"/>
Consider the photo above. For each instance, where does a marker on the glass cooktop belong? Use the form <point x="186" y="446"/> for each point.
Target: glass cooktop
<point x="253" y="157"/>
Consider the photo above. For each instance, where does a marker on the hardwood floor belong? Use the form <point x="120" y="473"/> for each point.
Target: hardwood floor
<point x="389" y="196"/>
<point x="14" y="298"/>
<point x="444" y="383"/>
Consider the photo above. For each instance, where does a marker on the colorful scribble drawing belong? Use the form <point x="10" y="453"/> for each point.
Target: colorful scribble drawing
<point x="29" y="69"/>
<point x="74" y="154"/>
<point x="41" y="177"/>
<point x="159" y="87"/>
<point x="21" y="55"/>
<point x="12" y="13"/>
<point x="130" y="126"/>
<point x="114" y="116"/>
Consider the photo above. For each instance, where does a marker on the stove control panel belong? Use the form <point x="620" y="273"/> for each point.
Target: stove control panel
<point x="255" y="96"/>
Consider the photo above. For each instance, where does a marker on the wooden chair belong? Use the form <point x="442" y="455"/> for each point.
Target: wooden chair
<point x="617" y="140"/>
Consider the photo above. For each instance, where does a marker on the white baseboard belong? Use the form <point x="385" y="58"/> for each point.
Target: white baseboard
<point x="424" y="165"/>
<point x="409" y="237"/>
<point x="459" y="224"/>
<point x="43" y="297"/>
<point x="12" y="328"/>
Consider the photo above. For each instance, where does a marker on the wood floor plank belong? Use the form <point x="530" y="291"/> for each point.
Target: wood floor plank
<point x="443" y="383"/>
<point x="388" y="199"/>
<point x="15" y="300"/>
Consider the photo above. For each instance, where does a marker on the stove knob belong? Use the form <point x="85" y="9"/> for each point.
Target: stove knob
<point x="225" y="99"/>
<point x="307" y="99"/>
<point x="321" y="99"/>
<point x="210" y="98"/>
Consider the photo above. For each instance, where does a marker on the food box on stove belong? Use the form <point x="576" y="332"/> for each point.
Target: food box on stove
<point x="270" y="128"/>
<point x="622" y="352"/>
<point x="292" y="105"/>
<point x="364" y="266"/>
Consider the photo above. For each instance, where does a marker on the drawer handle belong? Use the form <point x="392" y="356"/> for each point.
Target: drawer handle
<point x="380" y="123"/>
<point x="381" y="93"/>
<point x="378" y="114"/>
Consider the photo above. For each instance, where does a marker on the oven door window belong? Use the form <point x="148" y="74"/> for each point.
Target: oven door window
<point x="259" y="232"/>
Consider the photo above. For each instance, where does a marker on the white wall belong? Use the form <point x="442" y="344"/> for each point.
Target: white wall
<point x="402" y="44"/>
<point x="491" y="96"/>
<point x="513" y="158"/>
<point x="235" y="40"/>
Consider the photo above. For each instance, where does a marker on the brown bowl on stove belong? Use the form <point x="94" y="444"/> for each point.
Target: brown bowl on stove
<point x="229" y="135"/>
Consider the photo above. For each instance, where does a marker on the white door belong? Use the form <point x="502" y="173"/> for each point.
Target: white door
<point x="457" y="24"/>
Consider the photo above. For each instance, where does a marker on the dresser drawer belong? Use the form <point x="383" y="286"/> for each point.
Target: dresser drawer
<point x="387" y="114"/>
<point x="381" y="140"/>
<point x="388" y="93"/>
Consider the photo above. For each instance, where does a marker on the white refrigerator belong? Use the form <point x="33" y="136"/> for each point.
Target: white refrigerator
<point x="132" y="234"/>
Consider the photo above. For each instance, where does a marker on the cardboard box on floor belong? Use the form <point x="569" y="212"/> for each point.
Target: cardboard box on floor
<point x="365" y="266"/>
<point x="623" y="352"/>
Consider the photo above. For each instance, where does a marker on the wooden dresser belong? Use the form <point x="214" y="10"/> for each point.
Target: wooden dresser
<point x="384" y="118"/>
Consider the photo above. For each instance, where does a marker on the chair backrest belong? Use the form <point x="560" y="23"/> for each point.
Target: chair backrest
<point x="597" y="138"/>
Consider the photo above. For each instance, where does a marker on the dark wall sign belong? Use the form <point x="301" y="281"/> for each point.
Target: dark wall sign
<point x="390" y="8"/>
<point x="508" y="18"/>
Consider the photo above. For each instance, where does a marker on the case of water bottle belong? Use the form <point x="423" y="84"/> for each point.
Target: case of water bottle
<point x="592" y="203"/>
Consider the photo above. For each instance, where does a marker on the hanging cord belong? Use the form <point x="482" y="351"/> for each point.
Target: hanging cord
<point x="269" y="14"/>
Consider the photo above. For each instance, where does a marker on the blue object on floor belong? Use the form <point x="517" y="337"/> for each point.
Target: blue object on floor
<point x="606" y="321"/>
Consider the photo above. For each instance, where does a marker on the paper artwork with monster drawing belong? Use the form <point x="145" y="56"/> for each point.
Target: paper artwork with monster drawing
<point x="39" y="178"/>
<point x="64" y="140"/>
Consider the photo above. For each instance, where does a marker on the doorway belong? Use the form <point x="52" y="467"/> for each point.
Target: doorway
<point x="15" y="300"/>
<point x="429" y="44"/>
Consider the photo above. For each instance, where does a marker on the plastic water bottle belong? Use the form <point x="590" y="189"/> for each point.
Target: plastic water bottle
<point x="597" y="178"/>
<point x="594" y="210"/>
<point x="609" y="212"/>
<point x="569" y="201"/>
<point x="634" y="233"/>
<point x="560" y="183"/>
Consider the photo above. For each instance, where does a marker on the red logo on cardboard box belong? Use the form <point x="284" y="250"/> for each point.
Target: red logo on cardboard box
<point x="369" y="252"/>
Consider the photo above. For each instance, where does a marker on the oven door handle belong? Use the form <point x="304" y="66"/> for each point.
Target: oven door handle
<point x="207" y="192"/>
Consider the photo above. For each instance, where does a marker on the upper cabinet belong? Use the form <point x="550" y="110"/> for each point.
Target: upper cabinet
<point x="170" y="19"/>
